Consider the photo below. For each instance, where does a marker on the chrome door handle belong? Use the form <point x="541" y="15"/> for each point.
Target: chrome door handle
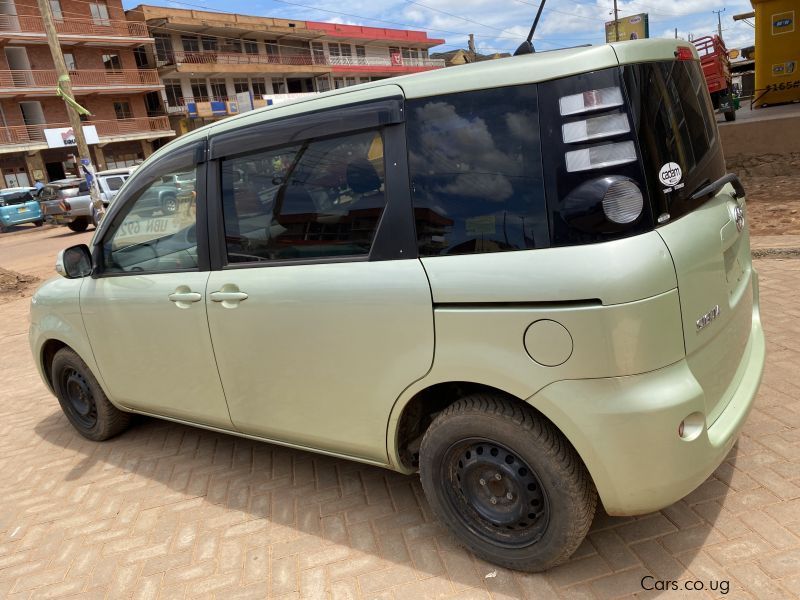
<point x="228" y="296"/>
<point x="185" y="297"/>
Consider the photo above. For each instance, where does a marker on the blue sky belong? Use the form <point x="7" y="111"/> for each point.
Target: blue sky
<point x="500" y="25"/>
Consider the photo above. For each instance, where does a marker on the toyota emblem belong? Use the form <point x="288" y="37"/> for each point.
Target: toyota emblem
<point x="738" y="216"/>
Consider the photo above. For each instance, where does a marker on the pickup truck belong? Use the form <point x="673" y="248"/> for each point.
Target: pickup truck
<point x="67" y="201"/>
<point x="717" y="70"/>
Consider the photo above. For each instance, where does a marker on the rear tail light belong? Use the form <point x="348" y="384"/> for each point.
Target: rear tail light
<point x="592" y="100"/>
<point x="684" y="53"/>
<point x="67" y="205"/>
<point x="623" y="202"/>
<point x="598" y="157"/>
<point x="595" y="128"/>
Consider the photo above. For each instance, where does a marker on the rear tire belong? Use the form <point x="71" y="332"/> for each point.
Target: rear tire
<point x="82" y="399"/>
<point x="39" y="223"/>
<point x="79" y="225"/>
<point x="170" y="204"/>
<point x="730" y="115"/>
<point x="507" y="483"/>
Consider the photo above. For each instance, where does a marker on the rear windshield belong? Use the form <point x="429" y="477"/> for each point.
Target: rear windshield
<point x="675" y="124"/>
<point x="10" y="198"/>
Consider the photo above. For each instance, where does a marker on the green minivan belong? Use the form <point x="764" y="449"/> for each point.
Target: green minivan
<point x="528" y="280"/>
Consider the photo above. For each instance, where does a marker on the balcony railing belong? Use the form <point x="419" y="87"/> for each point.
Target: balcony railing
<point x="235" y="58"/>
<point x="379" y="61"/>
<point x="70" y="26"/>
<point x="87" y="78"/>
<point x="32" y="134"/>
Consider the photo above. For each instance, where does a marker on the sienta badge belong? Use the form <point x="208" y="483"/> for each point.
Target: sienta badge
<point x="670" y="174"/>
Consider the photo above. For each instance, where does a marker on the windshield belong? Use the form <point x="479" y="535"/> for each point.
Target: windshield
<point x="678" y="138"/>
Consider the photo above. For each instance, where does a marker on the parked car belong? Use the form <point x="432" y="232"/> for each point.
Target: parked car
<point x="17" y="206"/>
<point x="68" y="202"/>
<point x="527" y="279"/>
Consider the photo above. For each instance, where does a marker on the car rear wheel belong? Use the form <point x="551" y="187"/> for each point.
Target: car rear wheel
<point x="730" y="115"/>
<point x="82" y="399"/>
<point x="39" y="223"/>
<point x="170" y="204"/>
<point x="506" y="483"/>
<point x="78" y="225"/>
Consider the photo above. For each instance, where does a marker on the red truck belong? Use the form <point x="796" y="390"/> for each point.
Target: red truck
<point x="717" y="70"/>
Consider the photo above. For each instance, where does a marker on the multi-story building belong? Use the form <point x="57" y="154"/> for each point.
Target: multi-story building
<point x="206" y="58"/>
<point x="103" y="52"/>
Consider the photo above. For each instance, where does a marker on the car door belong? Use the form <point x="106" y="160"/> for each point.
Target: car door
<point x="318" y="319"/>
<point x="144" y="310"/>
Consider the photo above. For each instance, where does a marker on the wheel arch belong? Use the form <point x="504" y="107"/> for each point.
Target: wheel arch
<point x="412" y="417"/>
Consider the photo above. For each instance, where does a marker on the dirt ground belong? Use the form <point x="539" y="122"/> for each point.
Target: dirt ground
<point x="772" y="184"/>
<point x="15" y="285"/>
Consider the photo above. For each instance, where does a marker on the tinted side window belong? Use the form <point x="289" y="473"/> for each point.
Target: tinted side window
<point x="157" y="231"/>
<point x="316" y="199"/>
<point x="476" y="171"/>
<point x="114" y="183"/>
<point x="675" y="123"/>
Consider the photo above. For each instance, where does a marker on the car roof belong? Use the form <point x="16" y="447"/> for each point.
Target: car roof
<point x="515" y="70"/>
<point x="13" y="190"/>
<point x="119" y="171"/>
<point x="65" y="182"/>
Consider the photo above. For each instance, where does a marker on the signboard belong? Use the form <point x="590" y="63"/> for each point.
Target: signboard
<point x="65" y="136"/>
<point x="636" y="27"/>
<point x="396" y="59"/>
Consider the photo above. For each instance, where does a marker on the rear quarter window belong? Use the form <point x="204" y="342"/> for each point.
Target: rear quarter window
<point x="476" y="171"/>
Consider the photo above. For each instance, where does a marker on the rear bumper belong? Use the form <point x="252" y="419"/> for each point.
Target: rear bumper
<point x="626" y="428"/>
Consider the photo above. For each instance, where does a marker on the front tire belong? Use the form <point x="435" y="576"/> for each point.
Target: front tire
<point x="82" y="399"/>
<point x="170" y="204"/>
<point x="507" y="483"/>
<point x="730" y="115"/>
<point x="79" y="225"/>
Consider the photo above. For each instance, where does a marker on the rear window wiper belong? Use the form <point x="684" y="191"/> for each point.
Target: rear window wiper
<point x="713" y="188"/>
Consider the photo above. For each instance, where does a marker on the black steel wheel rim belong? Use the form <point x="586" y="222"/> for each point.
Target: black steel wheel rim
<point x="495" y="493"/>
<point x="79" y="397"/>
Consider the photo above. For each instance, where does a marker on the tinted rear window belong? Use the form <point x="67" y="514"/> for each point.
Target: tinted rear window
<point x="476" y="171"/>
<point x="15" y="198"/>
<point x="675" y="123"/>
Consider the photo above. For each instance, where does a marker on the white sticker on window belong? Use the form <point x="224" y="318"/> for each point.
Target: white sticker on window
<point x="670" y="174"/>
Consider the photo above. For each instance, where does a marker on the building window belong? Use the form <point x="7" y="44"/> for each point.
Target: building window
<point x="347" y="50"/>
<point x="112" y="62"/>
<point x="323" y="84"/>
<point x="69" y="60"/>
<point x="338" y="83"/>
<point x="241" y="85"/>
<point x="123" y="110"/>
<point x="163" y="47"/>
<point x="361" y="51"/>
<point x="272" y="47"/>
<point x="333" y="49"/>
<point x="172" y="87"/>
<point x="318" y="53"/>
<point x="199" y="89"/>
<point x="250" y="46"/>
<point x="279" y="86"/>
<point x="190" y="43"/>
<point x="349" y="81"/>
<point x="209" y="44"/>
<point x="55" y="8"/>
<point x="218" y="89"/>
<point x="99" y="12"/>
<point x="259" y="87"/>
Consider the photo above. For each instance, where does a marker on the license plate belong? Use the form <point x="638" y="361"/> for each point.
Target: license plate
<point x="22" y="209"/>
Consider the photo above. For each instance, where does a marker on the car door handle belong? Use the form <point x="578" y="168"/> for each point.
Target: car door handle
<point x="228" y="296"/>
<point x="185" y="297"/>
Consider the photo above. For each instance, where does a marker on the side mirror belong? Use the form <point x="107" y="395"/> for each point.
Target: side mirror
<point x="74" y="262"/>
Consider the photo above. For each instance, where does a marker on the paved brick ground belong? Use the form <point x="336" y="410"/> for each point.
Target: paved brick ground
<point x="170" y="511"/>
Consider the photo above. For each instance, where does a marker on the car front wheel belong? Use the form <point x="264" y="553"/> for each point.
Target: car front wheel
<point x="507" y="483"/>
<point x="78" y="225"/>
<point x="82" y="399"/>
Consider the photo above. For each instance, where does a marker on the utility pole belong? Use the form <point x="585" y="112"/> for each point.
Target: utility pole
<point x="719" y="21"/>
<point x="471" y="46"/>
<point x="676" y="33"/>
<point x="64" y="83"/>
<point x="616" y="22"/>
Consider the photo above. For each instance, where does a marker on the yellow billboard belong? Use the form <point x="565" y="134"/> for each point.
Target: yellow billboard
<point x="636" y="27"/>
<point x="777" y="51"/>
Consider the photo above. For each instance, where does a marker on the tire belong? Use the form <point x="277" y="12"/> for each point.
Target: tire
<point x="79" y="225"/>
<point x="82" y="399"/>
<point x="482" y="448"/>
<point x="730" y="115"/>
<point x="39" y="223"/>
<point x="170" y="204"/>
